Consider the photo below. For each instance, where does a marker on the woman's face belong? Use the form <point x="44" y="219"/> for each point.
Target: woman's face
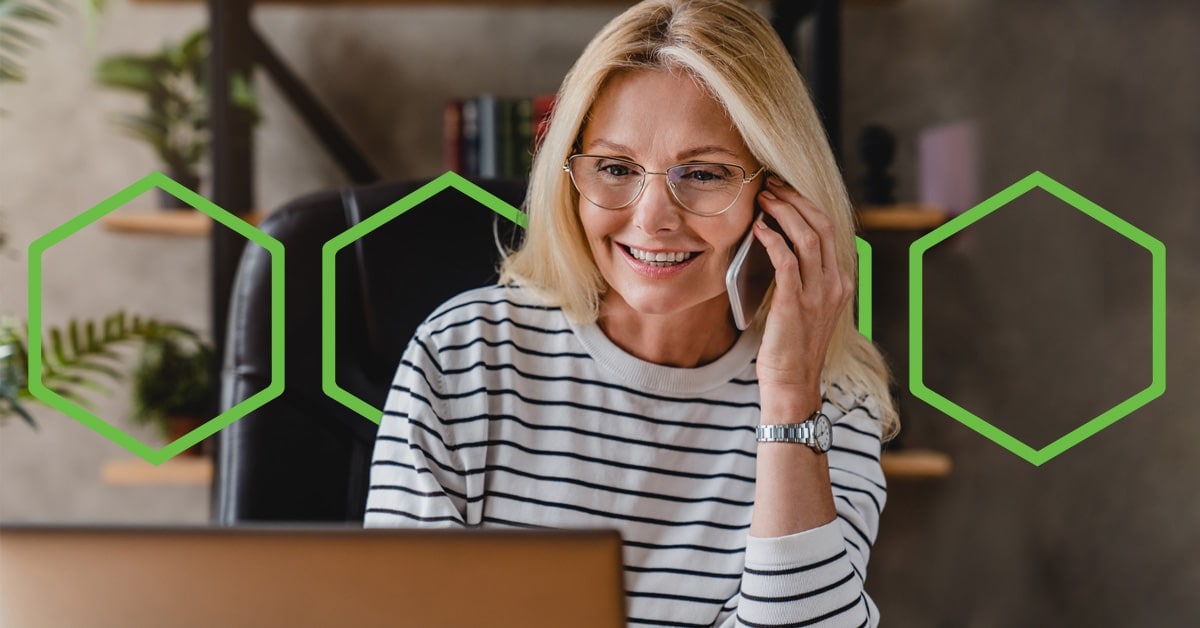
<point x="659" y="120"/>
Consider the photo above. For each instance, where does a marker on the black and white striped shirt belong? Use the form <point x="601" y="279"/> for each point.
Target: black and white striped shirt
<point x="505" y="414"/>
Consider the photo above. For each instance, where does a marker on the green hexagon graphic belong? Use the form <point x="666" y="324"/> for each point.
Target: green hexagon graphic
<point x="864" y="286"/>
<point x="328" y="273"/>
<point x="1158" y="382"/>
<point x="62" y="232"/>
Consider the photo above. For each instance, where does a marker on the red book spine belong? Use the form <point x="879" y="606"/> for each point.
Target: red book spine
<point x="543" y="107"/>
<point x="452" y="136"/>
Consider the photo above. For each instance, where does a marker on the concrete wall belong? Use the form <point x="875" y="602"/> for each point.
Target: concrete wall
<point x="1036" y="318"/>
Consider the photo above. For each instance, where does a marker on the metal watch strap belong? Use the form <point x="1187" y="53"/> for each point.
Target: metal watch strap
<point x="815" y="432"/>
<point x="786" y="433"/>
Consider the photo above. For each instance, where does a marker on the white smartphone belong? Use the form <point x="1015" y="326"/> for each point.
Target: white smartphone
<point x="749" y="276"/>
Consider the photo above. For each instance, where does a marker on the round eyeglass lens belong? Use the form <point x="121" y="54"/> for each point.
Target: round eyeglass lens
<point x="704" y="188"/>
<point x="609" y="183"/>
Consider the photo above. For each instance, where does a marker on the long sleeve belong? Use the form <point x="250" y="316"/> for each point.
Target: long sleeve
<point x="816" y="577"/>
<point x="419" y="476"/>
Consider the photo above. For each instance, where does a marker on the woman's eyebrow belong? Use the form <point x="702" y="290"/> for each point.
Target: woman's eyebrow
<point x="704" y="150"/>
<point x="613" y="146"/>
<point x="622" y="149"/>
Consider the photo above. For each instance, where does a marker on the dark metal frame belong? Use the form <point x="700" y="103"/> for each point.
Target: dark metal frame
<point x="238" y="49"/>
<point x="825" y="80"/>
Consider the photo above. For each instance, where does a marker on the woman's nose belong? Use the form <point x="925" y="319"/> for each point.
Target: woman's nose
<point x="656" y="209"/>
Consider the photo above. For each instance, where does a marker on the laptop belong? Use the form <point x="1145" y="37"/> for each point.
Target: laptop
<point x="263" y="577"/>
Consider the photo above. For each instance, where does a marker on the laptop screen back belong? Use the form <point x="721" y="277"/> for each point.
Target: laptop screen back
<point x="234" y="577"/>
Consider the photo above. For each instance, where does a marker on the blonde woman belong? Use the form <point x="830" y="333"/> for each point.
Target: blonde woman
<point x="604" y="383"/>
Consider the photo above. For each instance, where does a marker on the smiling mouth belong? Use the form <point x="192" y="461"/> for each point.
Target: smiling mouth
<point x="660" y="259"/>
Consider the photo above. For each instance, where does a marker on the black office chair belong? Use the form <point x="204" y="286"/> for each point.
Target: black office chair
<point x="304" y="456"/>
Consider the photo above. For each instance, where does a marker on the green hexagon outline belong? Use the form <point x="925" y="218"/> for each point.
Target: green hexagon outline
<point x="452" y="179"/>
<point x="212" y="426"/>
<point x="329" y="252"/>
<point x="1158" y="384"/>
<point x="865" y="296"/>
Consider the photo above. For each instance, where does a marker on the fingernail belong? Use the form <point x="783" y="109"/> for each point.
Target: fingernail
<point x="768" y="194"/>
<point x="773" y="180"/>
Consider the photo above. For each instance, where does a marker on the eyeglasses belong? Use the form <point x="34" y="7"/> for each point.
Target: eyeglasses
<point x="706" y="189"/>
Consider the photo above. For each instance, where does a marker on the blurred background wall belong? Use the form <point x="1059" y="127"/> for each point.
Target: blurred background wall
<point x="1036" y="318"/>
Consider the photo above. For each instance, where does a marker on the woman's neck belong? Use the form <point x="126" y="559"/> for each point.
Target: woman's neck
<point x="684" y="340"/>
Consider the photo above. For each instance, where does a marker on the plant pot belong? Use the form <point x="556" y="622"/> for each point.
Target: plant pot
<point x="180" y="426"/>
<point x="166" y="200"/>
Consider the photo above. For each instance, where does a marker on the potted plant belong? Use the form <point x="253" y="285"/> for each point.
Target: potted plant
<point x="174" y="387"/>
<point x="174" y="84"/>
<point x="80" y="357"/>
<point x="13" y="361"/>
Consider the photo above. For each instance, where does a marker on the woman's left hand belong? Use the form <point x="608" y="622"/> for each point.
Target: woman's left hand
<point x="811" y="291"/>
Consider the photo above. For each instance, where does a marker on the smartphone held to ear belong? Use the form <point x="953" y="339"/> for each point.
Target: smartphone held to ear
<point x="750" y="275"/>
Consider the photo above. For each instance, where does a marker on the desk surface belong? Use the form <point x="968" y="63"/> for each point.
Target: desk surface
<point x="266" y="577"/>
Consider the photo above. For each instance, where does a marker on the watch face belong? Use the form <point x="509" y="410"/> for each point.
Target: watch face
<point x="824" y="432"/>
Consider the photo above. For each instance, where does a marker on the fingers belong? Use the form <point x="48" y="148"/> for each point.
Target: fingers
<point x="806" y="241"/>
<point x="783" y="258"/>
<point x="814" y="237"/>
<point x="806" y="217"/>
<point x="806" y="245"/>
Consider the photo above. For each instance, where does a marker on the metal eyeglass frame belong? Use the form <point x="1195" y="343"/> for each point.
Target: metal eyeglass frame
<point x="670" y="185"/>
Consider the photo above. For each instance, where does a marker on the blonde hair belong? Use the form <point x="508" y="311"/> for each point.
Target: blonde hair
<point x="734" y="53"/>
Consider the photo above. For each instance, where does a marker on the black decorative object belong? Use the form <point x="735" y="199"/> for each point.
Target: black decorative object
<point x="877" y="147"/>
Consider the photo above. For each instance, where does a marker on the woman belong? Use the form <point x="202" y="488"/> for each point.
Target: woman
<point x="604" y="384"/>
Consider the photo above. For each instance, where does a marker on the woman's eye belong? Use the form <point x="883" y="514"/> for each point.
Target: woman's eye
<point x="706" y="174"/>
<point x="615" y="170"/>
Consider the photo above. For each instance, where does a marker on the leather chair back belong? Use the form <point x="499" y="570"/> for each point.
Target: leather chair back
<point x="304" y="456"/>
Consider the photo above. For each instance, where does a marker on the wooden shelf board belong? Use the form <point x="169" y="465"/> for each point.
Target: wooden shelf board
<point x="198" y="470"/>
<point x="180" y="470"/>
<point x="916" y="463"/>
<point x="172" y="222"/>
<point x="901" y="217"/>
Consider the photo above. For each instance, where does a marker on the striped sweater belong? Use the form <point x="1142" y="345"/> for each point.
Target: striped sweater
<point x="505" y="414"/>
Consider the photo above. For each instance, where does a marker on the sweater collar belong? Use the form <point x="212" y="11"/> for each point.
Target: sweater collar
<point x="668" y="379"/>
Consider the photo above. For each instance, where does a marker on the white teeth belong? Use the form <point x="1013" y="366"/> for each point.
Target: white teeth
<point x="673" y="257"/>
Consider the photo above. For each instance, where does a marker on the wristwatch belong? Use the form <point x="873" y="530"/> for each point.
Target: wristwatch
<point x="816" y="432"/>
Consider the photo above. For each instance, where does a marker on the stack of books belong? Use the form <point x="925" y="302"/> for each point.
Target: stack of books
<point x="494" y="137"/>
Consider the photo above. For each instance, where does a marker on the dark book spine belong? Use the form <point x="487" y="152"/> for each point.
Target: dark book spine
<point x="469" y="148"/>
<point x="506" y="147"/>
<point x="489" y="135"/>
<point x="523" y="149"/>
